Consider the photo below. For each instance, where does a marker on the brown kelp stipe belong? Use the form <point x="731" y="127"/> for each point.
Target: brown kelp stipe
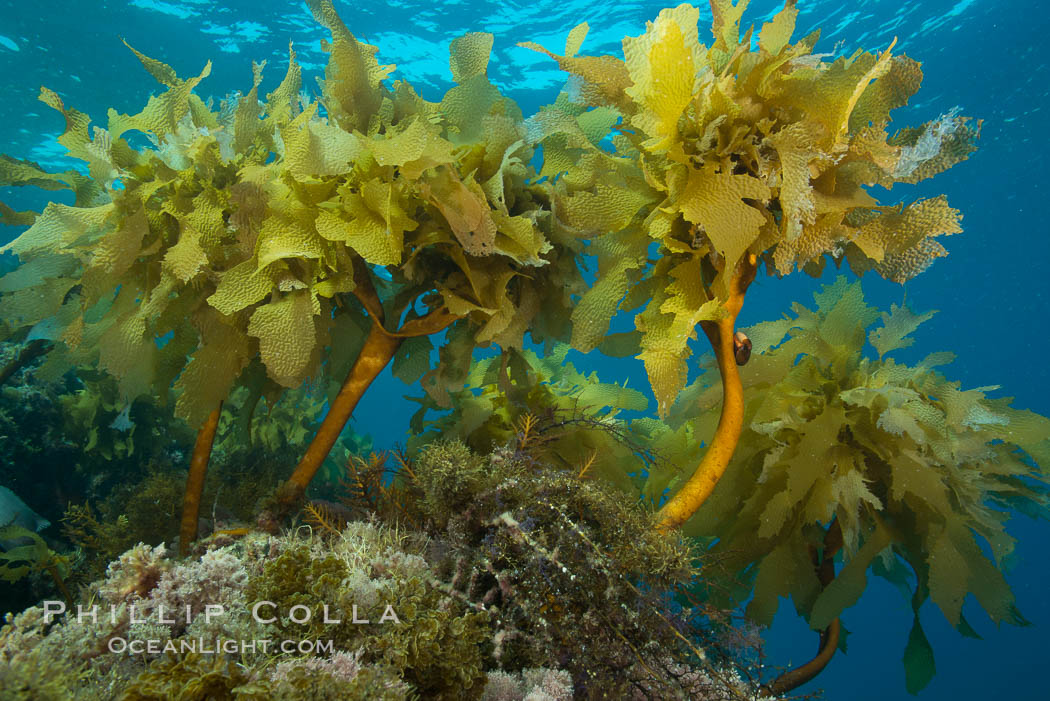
<point x="680" y="507"/>
<point x="191" y="503"/>
<point x="824" y="563"/>
<point x="379" y="349"/>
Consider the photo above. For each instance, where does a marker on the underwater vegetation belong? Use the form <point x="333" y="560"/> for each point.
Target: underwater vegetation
<point x="538" y="537"/>
<point x="892" y="469"/>
<point x="518" y="562"/>
<point x="728" y="157"/>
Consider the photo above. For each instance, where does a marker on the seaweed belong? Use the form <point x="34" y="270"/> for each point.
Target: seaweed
<point x="283" y="252"/>
<point x="25" y="553"/>
<point x="547" y="408"/>
<point x="255" y="233"/>
<point x="726" y="156"/>
<point x="871" y="465"/>
<point x="557" y="559"/>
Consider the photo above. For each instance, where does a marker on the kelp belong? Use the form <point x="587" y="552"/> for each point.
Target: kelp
<point x="277" y="248"/>
<point x="915" y="474"/>
<point x="723" y="151"/>
<point x="546" y="407"/>
<point x="267" y="231"/>
<point x="138" y="265"/>
<point x="723" y="157"/>
<point x="246" y="230"/>
<point x="25" y="552"/>
<point x="260" y="418"/>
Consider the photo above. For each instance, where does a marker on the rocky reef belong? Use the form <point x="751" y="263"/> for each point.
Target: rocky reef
<point x="523" y="582"/>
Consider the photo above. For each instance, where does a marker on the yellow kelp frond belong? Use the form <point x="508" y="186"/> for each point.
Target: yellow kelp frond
<point x="352" y="87"/>
<point x="313" y="147"/>
<point x="150" y="254"/>
<point x="414" y="146"/>
<point x="465" y="209"/>
<point x="716" y="202"/>
<point x="10" y="217"/>
<point x="669" y="322"/>
<point x="570" y="136"/>
<point x="891" y="90"/>
<point x="285" y="236"/>
<point x="282" y="105"/>
<point x="828" y="93"/>
<point x="125" y="349"/>
<point x="469" y="55"/>
<point x="246" y="120"/>
<point x="897" y="326"/>
<point x="602" y="79"/>
<point x="548" y="408"/>
<point x="375" y="222"/>
<point x="162" y="72"/>
<point x="60" y="226"/>
<point x="285" y="329"/>
<point x="75" y="137"/>
<point x="474" y="111"/>
<point x="665" y="64"/>
<point x="218" y="360"/>
<point x="240" y="287"/>
<point x="745" y="148"/>
<point x="606" y="209"/>
<point x="32" y="305"/>
<point x="776" y="34"/>
<point x="899" y="241"/>
<point x="18" y="172"/>
<point x="934" y="147"/>
<point x="618" y="257"/>
<point x="725" y="24"/>
<point x="89" y="190"/>
<point x="163" y="112"/>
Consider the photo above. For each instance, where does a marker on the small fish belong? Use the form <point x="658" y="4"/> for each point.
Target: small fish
<point x="15" y="511"/>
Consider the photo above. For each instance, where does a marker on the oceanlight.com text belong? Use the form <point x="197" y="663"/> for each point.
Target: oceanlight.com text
<point x="215" y="646"/>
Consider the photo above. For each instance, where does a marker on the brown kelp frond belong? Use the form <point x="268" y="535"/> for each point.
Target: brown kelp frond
<point x="587" y="465"/>
<point x="526" y="425"/>
<point x="364" y="477"/>
<point x="919" y="474"/>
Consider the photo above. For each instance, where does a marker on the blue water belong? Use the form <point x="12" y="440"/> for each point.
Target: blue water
<point x="986" y="56"/>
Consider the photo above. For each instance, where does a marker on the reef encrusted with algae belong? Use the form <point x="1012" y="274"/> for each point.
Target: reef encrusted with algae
<point x="525" y="582"/>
